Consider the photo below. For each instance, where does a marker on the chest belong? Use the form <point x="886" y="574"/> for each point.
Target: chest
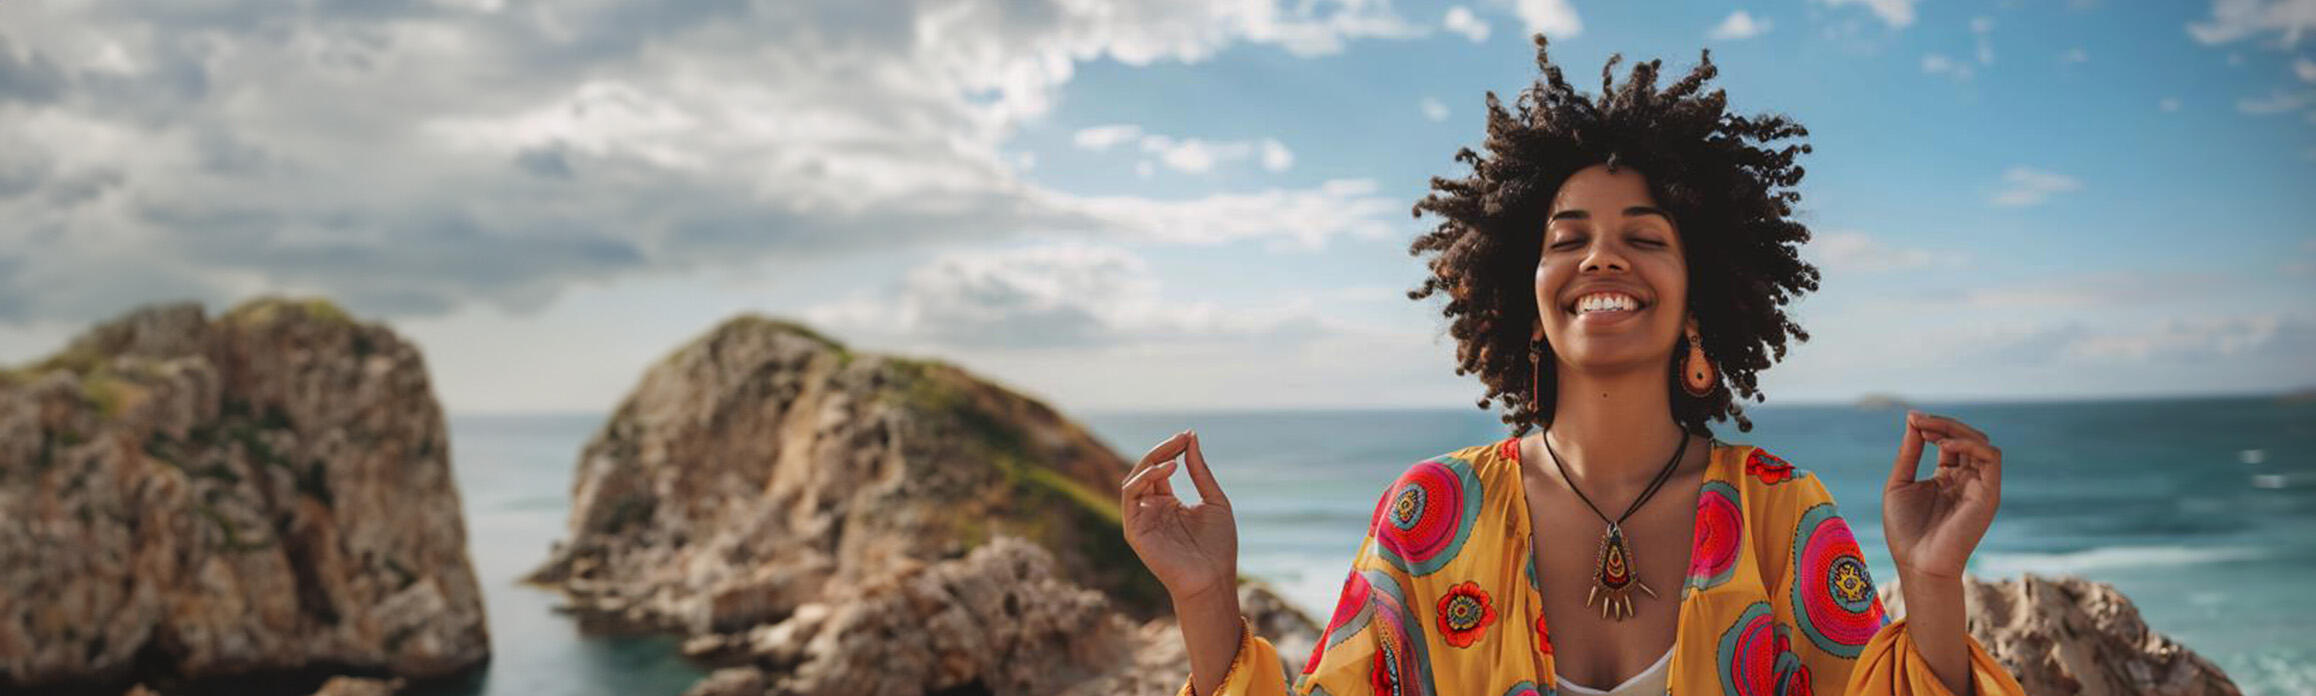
<point x="1589" y="648"/>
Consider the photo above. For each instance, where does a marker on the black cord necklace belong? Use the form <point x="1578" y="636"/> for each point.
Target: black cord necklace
<point x="1612" y="576"/>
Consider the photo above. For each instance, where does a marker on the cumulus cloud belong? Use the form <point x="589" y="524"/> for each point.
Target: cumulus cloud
<point x="2304" y="68"/>
<point x="2167" y="104"/>
<point x="2026" y="186"/>
<point x="1739" y="25"/>
<point x="2233" y="20"/>
<point x="1553" y="18"/>
<point x="1191" y="155"/>
<point x="1433" y="109"/>
<point x="1895" y="13"/>
<point x="1461" y="20"/>
<point x="2075" y="55"/>
<point x="413" y="158"/>
<point x="1069" y="295"/>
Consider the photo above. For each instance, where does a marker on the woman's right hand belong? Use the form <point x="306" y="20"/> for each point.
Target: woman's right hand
<point x="1193" y="549"/>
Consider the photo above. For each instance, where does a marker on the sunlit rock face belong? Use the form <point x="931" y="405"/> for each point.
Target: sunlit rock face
<point x="263" y="493"/>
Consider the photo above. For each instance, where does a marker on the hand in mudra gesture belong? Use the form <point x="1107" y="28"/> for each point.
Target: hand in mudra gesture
<point x="1934" y="523"/>
<point x="1193" y="549"/>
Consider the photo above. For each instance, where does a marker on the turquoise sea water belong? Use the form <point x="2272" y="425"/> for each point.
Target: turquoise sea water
<point x="2202" y="510"/>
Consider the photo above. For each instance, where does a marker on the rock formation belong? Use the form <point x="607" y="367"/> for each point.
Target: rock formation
<point x="2073" y="637"/>
<point x="763" y="467"/>
<point x="267" y="493"/>
<point x="997" y="621"/>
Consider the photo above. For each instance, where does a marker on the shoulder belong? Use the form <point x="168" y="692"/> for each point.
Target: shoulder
<point x="1432" y="508"/>
<point x="1766" y="478"/>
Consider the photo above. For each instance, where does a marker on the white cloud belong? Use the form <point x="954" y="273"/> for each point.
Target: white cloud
<point x="1553" y="18"/>
<point x="1895" y="13"/>
<point x="2168" y="104"/>
<point x="2277" y="101"/>
<point x="1982" y="28"/>
<point x="2075" y="55"/>
<point x="1276" y="156"/>
<point x="1047" y="296"/>
<point x="1190" y="155"/>
<point x="1939" y="64"/>
<point x="1433" y="109"/>
<point x="1851" y="251"/>
<point x="509" y="156"/>
<point x="1461" y="20"/>
<point x="1739" y="25"/>
<point x="2233" y="20"/>
<point x="2304" y="68"/>
<point x="1101" y="138"/>
<point x="2026" y="186"/>
<point x="1288" y="218"/>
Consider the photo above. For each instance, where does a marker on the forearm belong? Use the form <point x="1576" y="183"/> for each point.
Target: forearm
<point x="1210" y="634"/>
<point x="1935" y="620"/>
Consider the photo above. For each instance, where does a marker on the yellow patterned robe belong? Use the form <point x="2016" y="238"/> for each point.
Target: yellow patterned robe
<point x="1442" y="597"/>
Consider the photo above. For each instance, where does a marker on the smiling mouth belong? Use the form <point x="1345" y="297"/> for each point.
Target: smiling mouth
<point x="1605" y="305"/>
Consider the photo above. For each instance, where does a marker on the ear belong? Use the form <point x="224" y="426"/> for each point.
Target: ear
<point x="1692" y="323"/>
<point x="1537" y="336"/>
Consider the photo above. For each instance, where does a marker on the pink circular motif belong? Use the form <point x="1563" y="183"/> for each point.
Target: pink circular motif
<point x="1748" y="654"/>
<point x="1720" y="526"/>
<point x="1834" y="597"/>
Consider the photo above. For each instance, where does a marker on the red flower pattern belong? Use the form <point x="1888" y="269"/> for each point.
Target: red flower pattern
<point x="1464" y="613"/>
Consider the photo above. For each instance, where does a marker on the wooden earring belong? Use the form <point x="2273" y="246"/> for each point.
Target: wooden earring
<point x="1698" y="376"/>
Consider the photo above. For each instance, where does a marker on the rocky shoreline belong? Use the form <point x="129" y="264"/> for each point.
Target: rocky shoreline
<point x="261" y="502"/>
<point x="251" y="503"/>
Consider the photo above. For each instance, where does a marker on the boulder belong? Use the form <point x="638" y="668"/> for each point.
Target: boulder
<point x="764" y="467"/>
<point x="268" y="492"/>
<point x="2068" y="636"/>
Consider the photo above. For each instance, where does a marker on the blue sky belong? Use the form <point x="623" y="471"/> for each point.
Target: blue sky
<point x="1143" y="203"/>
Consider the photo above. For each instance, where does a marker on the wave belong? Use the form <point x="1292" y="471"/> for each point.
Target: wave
<point x="2111" y="557"/>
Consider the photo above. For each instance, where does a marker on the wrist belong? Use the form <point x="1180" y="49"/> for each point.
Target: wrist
<point x="1219" y="599"/>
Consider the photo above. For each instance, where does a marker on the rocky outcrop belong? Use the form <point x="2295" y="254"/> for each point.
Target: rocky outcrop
<point x="996" y="621"/>
<point x="265" y="493"/>
<point x="764" y="468"/>
<point x="2069" y="636"/>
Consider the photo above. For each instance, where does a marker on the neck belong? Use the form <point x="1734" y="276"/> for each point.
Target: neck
<point x="1614" y="430"/>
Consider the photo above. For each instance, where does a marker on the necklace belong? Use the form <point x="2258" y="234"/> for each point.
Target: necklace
<point x="1612" y="576"/>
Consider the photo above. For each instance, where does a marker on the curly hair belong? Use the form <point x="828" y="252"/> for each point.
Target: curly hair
<point x="1724" y="178"/>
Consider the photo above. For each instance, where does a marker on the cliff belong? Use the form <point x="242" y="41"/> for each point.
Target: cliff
<point x="262" y="496"/>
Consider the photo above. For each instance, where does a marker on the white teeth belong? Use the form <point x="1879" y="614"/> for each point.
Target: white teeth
<point x="1602" y="302"/>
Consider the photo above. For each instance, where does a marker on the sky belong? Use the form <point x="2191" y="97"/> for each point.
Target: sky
<point x="1139" y="204"/>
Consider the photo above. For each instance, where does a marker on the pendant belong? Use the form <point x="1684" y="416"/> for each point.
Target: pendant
<point x="1612" y="578"/>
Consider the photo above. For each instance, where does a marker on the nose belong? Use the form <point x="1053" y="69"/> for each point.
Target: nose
<point x="1603" y="256"/>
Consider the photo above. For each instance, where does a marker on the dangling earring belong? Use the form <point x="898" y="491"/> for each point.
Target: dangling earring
<point x="1698" y="376"/>
<point x="1536" y="373"/>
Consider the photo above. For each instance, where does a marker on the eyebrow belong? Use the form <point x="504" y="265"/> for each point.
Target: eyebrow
<point x="1628" y="212"/>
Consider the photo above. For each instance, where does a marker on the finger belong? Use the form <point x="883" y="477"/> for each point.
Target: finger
<point x="1209" y="490"/>
<point x="1165" y="451"/>
<point x="1944" y="424"/>
<point x="1145" y="482"/>
<point x="1948" y="456"/>
<point x="1965" y="447"/>
<point x="1909" y="456"/>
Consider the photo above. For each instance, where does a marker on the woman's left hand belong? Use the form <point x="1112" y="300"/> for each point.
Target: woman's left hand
<point x="1933" y="524"/>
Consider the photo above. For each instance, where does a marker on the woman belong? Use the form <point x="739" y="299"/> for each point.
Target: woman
<point x="1616" y="270"/>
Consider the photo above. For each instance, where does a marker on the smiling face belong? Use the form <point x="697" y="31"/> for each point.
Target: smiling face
<point x="1613" y="278"/>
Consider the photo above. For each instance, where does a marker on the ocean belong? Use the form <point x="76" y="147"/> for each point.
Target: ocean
<point x="2202" y="510"/>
